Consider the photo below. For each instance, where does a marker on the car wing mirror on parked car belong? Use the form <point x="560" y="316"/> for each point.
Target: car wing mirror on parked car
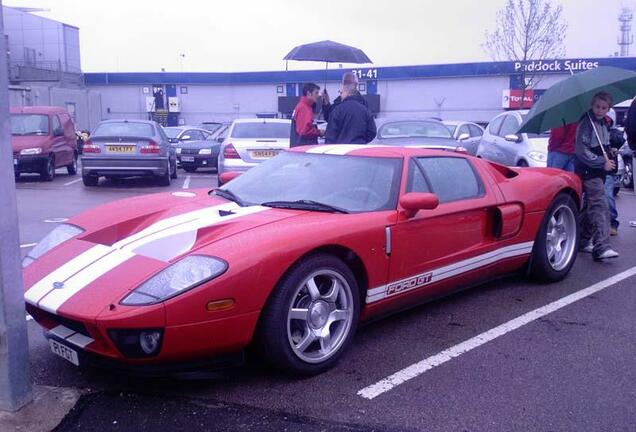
<point x="513" y="138"/>
<point x="58" y="132"/>
<point x="463" y="137"/>
<point x="185" y="138"/>
<point x="413" y="202"/>
<point x="229" y="176"/>
<point x="219" y="139"/>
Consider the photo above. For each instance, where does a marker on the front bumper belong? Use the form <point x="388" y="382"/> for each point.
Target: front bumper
<point x="29" y="163"/>
<point x="197" y="161"/>
<point x="122" y="167"/>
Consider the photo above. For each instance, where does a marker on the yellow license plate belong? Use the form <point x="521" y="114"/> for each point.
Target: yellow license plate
<point x="120" y="149"/>
<point x="264" y="154"/>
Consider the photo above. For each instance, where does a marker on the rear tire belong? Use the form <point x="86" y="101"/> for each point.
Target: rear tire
<point x="165" y="179"/>
<point x="627" y="180"/>
<point x="557" y="242"/>
<point x="90" y="180"/>
<point x="72" y="168"/>
<point x="311" y="316"/>
<point x="174" y="174"/>
<point x="48" y="171"/>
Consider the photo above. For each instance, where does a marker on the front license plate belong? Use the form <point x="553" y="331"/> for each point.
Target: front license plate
<point x="264" y="154"/>
<point x="187" y="158"/>
<point x="120" y="148"/>
<point x="63" y="351"/>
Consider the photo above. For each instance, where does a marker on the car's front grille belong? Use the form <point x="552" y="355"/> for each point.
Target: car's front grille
<point x="76" y="326"/>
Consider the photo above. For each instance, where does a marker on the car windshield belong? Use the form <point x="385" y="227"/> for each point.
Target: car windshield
<point x="261" y="130"/>
<point x="350" y="183"/>
<point x="172" y="132"/>
<point x="29" y="124"/>
<point x="414" y="129"/>
<point x="124" y="129"/>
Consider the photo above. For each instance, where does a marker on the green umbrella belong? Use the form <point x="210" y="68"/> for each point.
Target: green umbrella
<point x="566" y="101"/>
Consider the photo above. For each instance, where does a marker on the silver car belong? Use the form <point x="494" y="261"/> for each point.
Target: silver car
<point x="252" y="141"/>
<point x="466" y="133"/>
<point x="126" y="148"/>
<point x="414" y="133"/>
<point x="502" y="143"/>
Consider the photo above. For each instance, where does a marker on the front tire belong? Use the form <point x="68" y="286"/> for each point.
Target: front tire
<point x="48" y="171"/>
<point x="557" y="242"/>
<point x="311" y="316"/>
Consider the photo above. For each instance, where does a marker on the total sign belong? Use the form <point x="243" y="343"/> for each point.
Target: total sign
<point x="555" y="65"/>
<point x="511" y="99"/>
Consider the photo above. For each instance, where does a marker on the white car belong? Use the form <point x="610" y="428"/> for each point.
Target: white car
<point x="252" y="141"/>
<point x="502" y="144"/>
<point x="467" y="133"/>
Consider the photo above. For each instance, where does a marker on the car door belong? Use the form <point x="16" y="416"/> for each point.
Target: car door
<point x="475" y="137"/>
<point x="438" y="249"/>
<point x="487" y="145"/>
<point x="508" y="149"/>
<point x="59" y="146"/>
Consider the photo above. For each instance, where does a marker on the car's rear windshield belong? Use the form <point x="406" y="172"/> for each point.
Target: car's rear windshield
<point x="124" y="129"/>
<point x="414" y="129"/>
<point x="29" y="124"/>
<point x="261" y="130"/>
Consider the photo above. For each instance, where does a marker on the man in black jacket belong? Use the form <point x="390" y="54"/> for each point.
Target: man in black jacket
<point x="350" y="122"/>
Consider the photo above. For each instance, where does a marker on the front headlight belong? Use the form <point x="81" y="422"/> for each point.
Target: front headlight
<point x="181" y="276"/>
<point x="538" y="156"/>
<point x="178" y="150"/>
<point x="31" y="151"/>
<point x="205" y="151"/>
<point x="58" y="236"/>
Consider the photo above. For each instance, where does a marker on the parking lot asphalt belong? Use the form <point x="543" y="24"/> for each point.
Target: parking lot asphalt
<point x="571" y="369"/>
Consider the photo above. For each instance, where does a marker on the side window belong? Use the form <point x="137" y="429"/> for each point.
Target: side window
<point x="416" y="182"/>
<point x="494" y="125"/>
<point x="451" y="178"/>
<point x="463" y="130"/>
<point x="56" y="123"/>
<point x="475" y="131"/>
<point x="196" y="135"/>
<point x="510" y="126"/>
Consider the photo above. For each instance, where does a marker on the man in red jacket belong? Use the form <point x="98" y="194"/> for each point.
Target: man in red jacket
<point x="303" y="130"/>
<point x="561" y="147"/>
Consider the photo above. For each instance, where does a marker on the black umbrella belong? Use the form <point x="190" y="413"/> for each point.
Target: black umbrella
<point x="328" y="51"/>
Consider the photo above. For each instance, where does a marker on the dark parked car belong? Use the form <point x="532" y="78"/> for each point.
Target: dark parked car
<point x="192" y="155"/>
<point x="177" y="134"/>
<point x="43" y="139"/>
<point x="127" y="148"/>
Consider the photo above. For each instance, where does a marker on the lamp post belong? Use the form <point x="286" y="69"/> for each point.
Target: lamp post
<point x="15" y="383"/>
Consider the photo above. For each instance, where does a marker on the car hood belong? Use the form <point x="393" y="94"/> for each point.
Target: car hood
<point x="538" y="144"/>
<point x="196" y="144"/>
<point x="126" y="242"/>
<point x="30" y="141"/>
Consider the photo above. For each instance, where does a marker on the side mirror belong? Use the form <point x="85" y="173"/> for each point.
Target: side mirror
<point x="229" y="176"/>
<point x="58" y="132"/>
<point x="463" y="137"/>
<point x="185" y="138"/>
<point x="219" y="139"/>
<point x="173" y="140"/>
<point x="513" y="138"/>
<point x="413" y="202"/>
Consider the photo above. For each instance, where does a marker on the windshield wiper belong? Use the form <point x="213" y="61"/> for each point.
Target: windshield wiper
<point x="228" y="194"/>
<point x="305" y="205"/>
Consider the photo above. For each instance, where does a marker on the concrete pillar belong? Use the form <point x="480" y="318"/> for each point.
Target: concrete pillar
<point x="15" y="383"/>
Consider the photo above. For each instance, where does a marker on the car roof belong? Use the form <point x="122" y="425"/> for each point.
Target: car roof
<point x="371" y="150"/>
<point x="150" y="122"/>
<point x="37" y="110"/>
<point x="262" y="120"/>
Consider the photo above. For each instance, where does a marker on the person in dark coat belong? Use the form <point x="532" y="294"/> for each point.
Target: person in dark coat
<point x="350" y="122"/>
<point x="327" y="108"/>
<point x="303" y="129"/>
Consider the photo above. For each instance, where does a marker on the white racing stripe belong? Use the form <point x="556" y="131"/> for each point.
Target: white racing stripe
<point x="464" y="266"/>
<point x="163" y="240"/>
<point x="429" y="363"/>
<point x="343" y="149"/>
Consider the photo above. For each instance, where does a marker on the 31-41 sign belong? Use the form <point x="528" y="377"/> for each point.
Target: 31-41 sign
<point x="366" y="73"/>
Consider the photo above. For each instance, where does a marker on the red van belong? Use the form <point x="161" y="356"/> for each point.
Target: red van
<point x="43" y="139"/>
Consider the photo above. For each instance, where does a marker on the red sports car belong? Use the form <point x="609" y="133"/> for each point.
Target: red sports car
<point x="292" y="255"/>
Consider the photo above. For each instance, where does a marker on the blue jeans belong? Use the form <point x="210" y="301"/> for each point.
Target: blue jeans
<point x="611" y="201"/>
<point x="562" y="161"/>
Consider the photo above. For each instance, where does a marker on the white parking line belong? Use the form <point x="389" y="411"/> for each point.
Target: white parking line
<point x="186" y="182"/>
<point x="27" y="245"/>
<point x="416" y="369"/>
<point x="72" y="182"/>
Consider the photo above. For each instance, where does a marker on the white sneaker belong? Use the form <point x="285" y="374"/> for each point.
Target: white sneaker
<point x="609" y="253"/>
<point x="589" y="248"/>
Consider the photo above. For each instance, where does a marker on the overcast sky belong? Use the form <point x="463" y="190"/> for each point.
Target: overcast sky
<point x="240" y="35"/>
